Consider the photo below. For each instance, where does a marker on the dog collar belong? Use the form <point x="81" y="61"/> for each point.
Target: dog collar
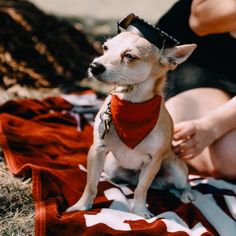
<point x="154" y="35"/>
<point x="134" y="121"/>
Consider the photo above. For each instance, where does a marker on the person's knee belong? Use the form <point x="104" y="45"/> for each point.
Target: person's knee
<point x="223" y="154"/>
<point x="224" y="169"/>
<point x="202" y="165"/>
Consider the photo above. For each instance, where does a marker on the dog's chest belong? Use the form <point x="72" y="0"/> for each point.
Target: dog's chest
<point x="134" y="158"/>
<point x="129" y="157"/>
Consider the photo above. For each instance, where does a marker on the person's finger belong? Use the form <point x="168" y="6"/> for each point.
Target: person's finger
<point x="188" y="157"/>
<point x="188" y="143"/>
<point x="183" y="131"/>
<point x="184" y="154"/>
<point x="184" y="148"/>
<point x="194" y="150"/>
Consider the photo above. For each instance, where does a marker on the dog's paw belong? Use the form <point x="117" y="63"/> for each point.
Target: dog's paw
<point x="79" y="207"/>
<point x="187" y="196"/>
<point x="143" y="212"/>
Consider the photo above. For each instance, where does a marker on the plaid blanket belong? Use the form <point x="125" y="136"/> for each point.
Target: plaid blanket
<point x="49" y="140"/>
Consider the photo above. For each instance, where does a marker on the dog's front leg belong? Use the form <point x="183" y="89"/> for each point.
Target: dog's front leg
<point x="95" y="164"/>
<point x="147" y="174"/>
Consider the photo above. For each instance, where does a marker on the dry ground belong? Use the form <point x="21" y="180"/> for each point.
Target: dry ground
<point x="16" y="205"/>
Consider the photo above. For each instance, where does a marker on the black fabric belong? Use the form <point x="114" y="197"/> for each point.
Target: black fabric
<point x="191" y="75"/>
<point x="153" y="34"/>
<point x="214" y="58"/>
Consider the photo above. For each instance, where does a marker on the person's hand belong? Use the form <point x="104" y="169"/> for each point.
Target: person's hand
<point x="192" y="138"/>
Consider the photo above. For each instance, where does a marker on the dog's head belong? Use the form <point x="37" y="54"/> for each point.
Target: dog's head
<point x="129" y="59"/>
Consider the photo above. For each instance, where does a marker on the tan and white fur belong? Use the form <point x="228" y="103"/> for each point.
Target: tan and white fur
<point x="137" y="70"/>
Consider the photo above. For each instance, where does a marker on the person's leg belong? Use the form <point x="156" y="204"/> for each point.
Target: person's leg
<point x="220" y="158"/>
<point x="223" y="154"/>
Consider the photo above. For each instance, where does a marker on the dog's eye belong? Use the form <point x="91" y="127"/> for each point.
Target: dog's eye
<point x="129" y="56"/>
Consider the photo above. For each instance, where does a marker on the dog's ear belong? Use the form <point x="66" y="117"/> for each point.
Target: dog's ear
<point x="171" y="57"/>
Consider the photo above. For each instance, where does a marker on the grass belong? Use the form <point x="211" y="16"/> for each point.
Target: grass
<point x="16" y="204"/>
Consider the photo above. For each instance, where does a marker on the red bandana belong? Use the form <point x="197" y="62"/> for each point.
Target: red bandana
<point x="134" y="121"/>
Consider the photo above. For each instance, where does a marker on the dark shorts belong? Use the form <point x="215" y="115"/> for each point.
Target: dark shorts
<point x="189" y="76"/>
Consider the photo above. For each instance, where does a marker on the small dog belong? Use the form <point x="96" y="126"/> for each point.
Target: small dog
<point x="133" y="129"/>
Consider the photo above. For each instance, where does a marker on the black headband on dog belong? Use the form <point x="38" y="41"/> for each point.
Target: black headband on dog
<point x="154" y="35"/>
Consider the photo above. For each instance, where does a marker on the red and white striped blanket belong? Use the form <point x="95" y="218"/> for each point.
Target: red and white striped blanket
<point x="48" y="141"/>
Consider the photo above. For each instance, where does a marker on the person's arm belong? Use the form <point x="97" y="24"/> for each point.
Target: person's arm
<point x="213" y="16"/>
<point x="195" y="135"/>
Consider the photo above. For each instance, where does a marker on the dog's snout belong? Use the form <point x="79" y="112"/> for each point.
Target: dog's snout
<point x="96" y="68"/>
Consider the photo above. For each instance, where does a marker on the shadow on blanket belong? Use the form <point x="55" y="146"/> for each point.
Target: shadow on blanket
<point x="43" y="139"/>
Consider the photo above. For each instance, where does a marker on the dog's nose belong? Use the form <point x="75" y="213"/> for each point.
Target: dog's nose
<point x="96" y="68"/>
